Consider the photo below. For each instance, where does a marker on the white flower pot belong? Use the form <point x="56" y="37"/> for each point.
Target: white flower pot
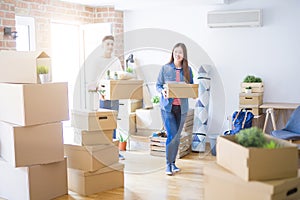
<point x="44" y="78"/>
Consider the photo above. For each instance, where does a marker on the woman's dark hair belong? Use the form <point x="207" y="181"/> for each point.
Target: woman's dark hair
<point x="185" y="64"/>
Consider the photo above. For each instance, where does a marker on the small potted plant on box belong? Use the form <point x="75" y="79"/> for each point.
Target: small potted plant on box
<point x="248" y="90"/>
<point x="43" y="72"/>
<point x="254" y="82"/>
<point x="122" y="142"/>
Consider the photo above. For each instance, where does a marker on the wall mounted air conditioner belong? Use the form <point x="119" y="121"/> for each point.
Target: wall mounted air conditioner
<point x="234" y="18"/>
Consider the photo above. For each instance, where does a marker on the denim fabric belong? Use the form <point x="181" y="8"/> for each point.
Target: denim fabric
<point x="168" y="74"/>
<point x="173" y="123"/>
<point x="112" y="105"/>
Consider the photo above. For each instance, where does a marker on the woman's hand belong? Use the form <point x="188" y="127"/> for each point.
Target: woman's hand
<point x="164" y="93"/>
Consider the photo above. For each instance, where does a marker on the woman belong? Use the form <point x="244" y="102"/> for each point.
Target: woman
<point x="174" y="110"/>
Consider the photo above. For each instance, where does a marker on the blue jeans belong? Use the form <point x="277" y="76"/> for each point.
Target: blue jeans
<point x="173" y="123"/>
<point x="112" y="105"/>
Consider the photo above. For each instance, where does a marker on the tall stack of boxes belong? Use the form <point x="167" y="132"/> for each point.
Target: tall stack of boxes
<point x="252" y="101"/>
<point x="93" y="162"/>
<point x="253" y="173"/>
<point x="32" y="162"/>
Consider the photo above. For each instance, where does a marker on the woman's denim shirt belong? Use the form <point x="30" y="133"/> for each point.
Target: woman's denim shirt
<point x="168" y="74"/>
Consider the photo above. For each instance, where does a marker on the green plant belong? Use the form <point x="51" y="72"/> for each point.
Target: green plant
<point x="155" y="99"/>
<point x="251" y="137"/>
<point x="254" y="137"/>
<point x="42" y="69"/>
<point x="271" y="145"/>
<point x="129" y="70"/>
<point x="122" y="139"/>
<point x="252" y="79"/>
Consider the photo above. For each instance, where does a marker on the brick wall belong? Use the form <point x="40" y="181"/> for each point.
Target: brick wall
<point x="44" y="11"/>
<point x="7" y="19"/>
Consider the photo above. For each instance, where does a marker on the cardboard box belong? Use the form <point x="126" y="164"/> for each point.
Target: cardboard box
<point x="86" y="138"/>
<point x="256" y="87"/>
<point x="128" y="106"/>
<point x="122" y="89"/>
<point x="87" y="183"/>
<point x="102" y="119"/>
<point x="30" y="145"/>
<point x="32" y="104"/>
<point x="181" y="90"/>
<point x="20" y="67"/>
<point x="149" y="119"/>
<point x="258" y="163"/>
<point x="251" y="99"/>
<point x="127" y="123"/>
<point x="34" y="182"/>
<point x="252" y="108"/>
<point x="91" y="158"/>
<point x="221" y="184"/>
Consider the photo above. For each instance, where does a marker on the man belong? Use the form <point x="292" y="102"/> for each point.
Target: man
<point x="112" y="63"/>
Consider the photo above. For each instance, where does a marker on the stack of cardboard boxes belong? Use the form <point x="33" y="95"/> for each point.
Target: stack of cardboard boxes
<point x="93" y="162"/>
<point x="253" y="173"/>
<point x="252" y="101"/>
<point x="32" y="162"/>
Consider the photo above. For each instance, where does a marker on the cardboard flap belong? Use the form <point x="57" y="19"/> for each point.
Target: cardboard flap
<point x="43" y="55"/>
<point x="99" y="112"/>
<point x="113" y="167"/>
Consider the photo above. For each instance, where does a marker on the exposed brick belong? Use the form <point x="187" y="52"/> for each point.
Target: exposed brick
<point x="89" y="9"/>
<point x="2" y="14"/>
<point x="21" y="4"/>
<point x="10" y="43"/>
<point x="8" y="22"/>
<point x="4" y="7"/>
<point x="10" y="15"/>
<point x="9" y="1"/>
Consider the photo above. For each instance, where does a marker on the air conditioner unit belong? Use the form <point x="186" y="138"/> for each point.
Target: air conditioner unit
<point x="234" y="18"/>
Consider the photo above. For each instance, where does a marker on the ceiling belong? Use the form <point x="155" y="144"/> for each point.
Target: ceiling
<point x="136" y="4"/>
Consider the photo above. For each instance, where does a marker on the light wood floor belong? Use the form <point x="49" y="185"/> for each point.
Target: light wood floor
<point x="187" y="184"/>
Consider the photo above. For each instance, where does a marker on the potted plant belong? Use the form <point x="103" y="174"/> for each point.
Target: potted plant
<point x="254" y="82"/>
<point x="122" y="142"/>
<point x="43" y="72"/>
<point x="248" y="90"/>
<point x="155" y="101"/>
<point x="254" y="137"/>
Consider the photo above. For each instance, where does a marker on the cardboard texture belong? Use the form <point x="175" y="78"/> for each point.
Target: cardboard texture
<point x="149" y="119"/>
<point x="122" y="89"/>
<point x="258" y="163"/>
<point x="85" y="138"/>
<point x="102" y="119"/>
<point x="21" y="66"/>
<point x="87" y="183"/>
<point x="181" y="90"/>
<point x="252" y="108"/>
<point x="251" y="99"/>
<point x="21" y="146"/>
<point x="221" y="184"/>
<point x="35" y="182"/>
<point x="32" y="104"/>
<point x="91" y="158"/>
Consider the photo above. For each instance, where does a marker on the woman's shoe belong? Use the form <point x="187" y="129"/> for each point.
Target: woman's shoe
<point x="169" y="170"/>
<point x="175" y="169"/>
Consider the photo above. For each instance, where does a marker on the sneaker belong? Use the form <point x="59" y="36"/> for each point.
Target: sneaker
<point x="121" y="157"/>
<point x="175" y="169"/>
<point x="169" y="170"/>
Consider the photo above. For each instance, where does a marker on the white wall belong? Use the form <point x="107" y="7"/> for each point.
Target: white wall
<point x="271" y="52"/>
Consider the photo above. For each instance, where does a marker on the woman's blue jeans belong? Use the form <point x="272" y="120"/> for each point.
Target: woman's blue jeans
<point x="173" y="123"/>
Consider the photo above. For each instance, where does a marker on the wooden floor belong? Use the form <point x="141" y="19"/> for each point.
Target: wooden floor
<point x="187" y="184"/>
